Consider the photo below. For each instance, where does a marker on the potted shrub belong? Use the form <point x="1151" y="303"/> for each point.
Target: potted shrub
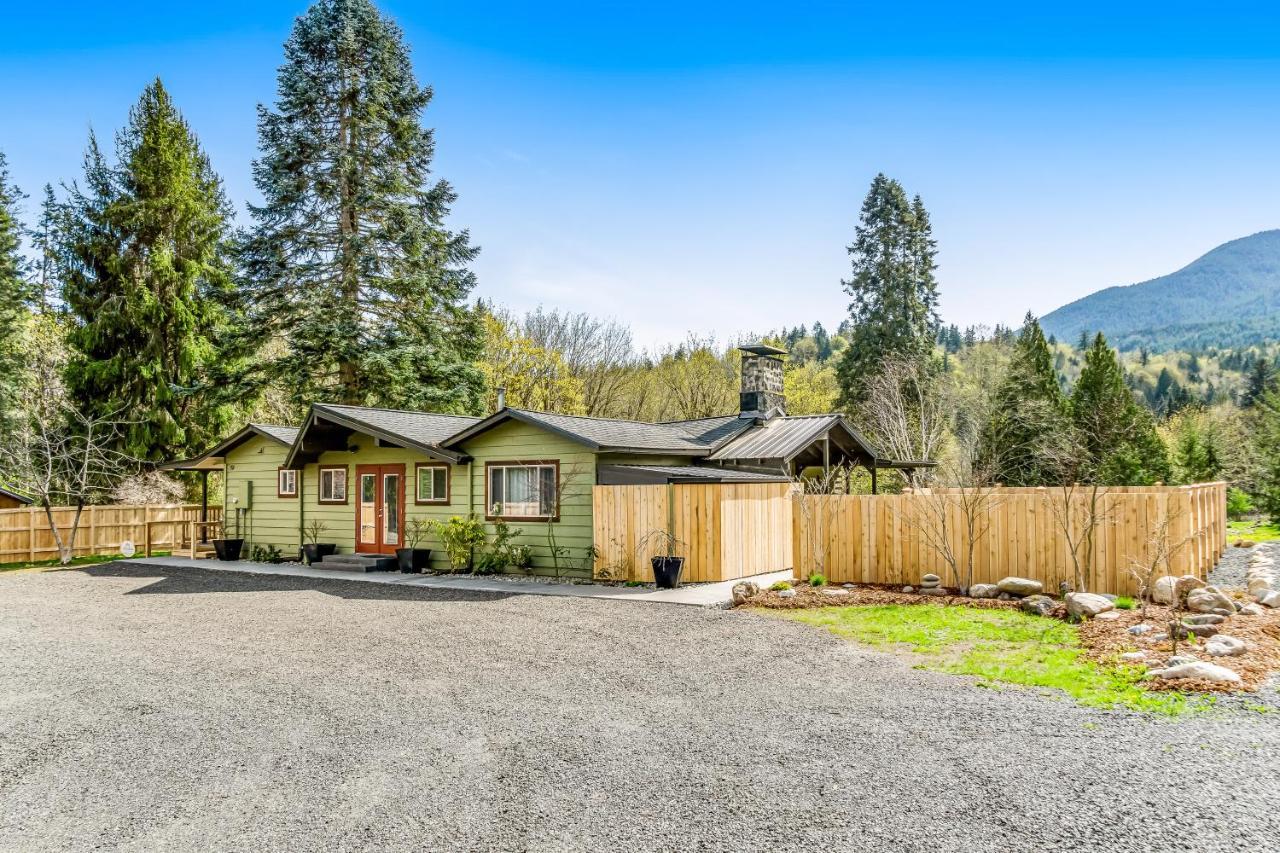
<point x="314" y="550"/>
<point x="666" y="565"/>
<point x="413" y="560"/>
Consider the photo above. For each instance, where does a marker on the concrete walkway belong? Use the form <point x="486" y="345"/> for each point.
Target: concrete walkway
<point x="695" y="595"/>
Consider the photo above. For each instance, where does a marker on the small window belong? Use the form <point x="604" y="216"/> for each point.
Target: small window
<point x="286" y="483"/>
<point x="433" y="484"/>
<point x="523" y="491"/>
<point x="333" y="484"/>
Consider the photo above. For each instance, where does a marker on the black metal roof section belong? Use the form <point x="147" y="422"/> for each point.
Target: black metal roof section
<point x="17" y="496"/>
<point x="330" y="426"/>
<point x="683" y="438"/>
<point x="632" y="475"/>
<point x="215" y="458"/>
<point x="785" y="438"/>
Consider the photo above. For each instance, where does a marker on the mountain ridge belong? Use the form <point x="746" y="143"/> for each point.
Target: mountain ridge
<point x="1229" y="296"/>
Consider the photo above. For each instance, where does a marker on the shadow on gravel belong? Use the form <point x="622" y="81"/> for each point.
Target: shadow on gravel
<point x="191" y="581"/>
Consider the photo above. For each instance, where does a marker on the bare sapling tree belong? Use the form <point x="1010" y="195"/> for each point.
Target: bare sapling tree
<point x="955" y="517"/>
<point x="908" y="409"/>
<point x="1157" y="559"/>
<point x="814" y="497"/>
<point x="60" y="456"/>
<point x="571" y="484"/>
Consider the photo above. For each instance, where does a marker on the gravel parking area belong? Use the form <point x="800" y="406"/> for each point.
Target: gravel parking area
<point x="181" y="709"/>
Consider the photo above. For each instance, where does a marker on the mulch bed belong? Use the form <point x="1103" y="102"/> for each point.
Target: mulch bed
<point x="1103" y="640"/>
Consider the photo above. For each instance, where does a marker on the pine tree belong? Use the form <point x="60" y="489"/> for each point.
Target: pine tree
<point x="351" y="266"/>
<point x="895" y="294"/>
<point x="46" y="241"/>
<point x="146" y="279"/>
<point x="15" y="298"/>
<point x="1028" y="425"/>
<point x="1118" y="436"/>
<point x="1262" y="378"/>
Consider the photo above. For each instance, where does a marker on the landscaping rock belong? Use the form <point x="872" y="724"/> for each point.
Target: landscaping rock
<point x="933" y="590"/>
<point x="1020" y="586"/>
<point x="1157" y="638"/>
<point x="744" y="590"/>
<point x="984" y="590"/>
<point x="908" y="589"/>
<point x="1163" y="590"/>
<point x="1108" y="596"/>
<point x="1252" y="610"/>
<point x="1138" y="630"/>
<point x="835" y="592"/>
<point x="1209" y="599"/>
<point x="1086" y="605"/>
<point x="1040" y="605"/>
<point x="1198" y="670"/>
<point x="1204" y="619"/>
<point x="1133" y="657"/>
<point x="930" y="580"/>
<point x="1225" y="646"/>
<point x="786" y="593"/>
<point x="846" y="586"/>
<point x="1109" y="616"/>
<point x="1179" y="660"/>
<point x="1201" y="631"/>
<point x="1004" y="596"/>
<point x="1271" y="599"/>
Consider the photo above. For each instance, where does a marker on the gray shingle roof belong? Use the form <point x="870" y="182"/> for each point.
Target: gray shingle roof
<point x="422" y="428"/>
<point x="694" y="438"/>
<point x="782" y="438"/>
<point x="282" y="434"/>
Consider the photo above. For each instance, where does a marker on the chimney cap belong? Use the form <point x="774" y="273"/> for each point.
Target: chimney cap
<point x="762" y="349"/>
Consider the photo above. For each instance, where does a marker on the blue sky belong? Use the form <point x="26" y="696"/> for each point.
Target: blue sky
<point x="700" y="166"/>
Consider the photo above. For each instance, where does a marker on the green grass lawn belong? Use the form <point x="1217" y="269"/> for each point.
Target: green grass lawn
<point x="999" y="647"/>
<point x="1256" y="531"/>
<point x="78" y="561"/>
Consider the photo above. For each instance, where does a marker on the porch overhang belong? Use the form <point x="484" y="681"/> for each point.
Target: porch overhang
<point x="327" y="431"/>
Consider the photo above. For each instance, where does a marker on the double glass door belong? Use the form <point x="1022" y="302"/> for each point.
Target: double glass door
<point x="379" y="509"/>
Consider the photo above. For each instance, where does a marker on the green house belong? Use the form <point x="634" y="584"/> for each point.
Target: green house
<point x="364" y="472"/>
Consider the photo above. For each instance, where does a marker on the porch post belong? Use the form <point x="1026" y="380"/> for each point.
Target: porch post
<point x="204" y="505"/>
<point x="874" y="489"/>
<point x="826" y="455"/>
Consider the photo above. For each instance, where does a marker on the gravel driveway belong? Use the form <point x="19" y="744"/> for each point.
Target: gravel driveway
<point x="144" y="708"/>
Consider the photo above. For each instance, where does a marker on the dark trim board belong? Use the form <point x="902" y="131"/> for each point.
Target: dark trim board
<point x="520" y="463"/>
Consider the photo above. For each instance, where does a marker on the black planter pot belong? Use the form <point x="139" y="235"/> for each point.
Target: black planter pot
<point x="666" y="571"/>
<point x="314" y="552"/>
<point x="413" y="560"/>
<point x="228" y="549"/>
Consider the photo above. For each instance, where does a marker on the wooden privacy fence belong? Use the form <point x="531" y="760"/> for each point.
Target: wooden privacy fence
<point x="730" y="531"/>
<point x="894" y="539"/>
<point x="25" y="533"/>
<point x="727" y="531"/>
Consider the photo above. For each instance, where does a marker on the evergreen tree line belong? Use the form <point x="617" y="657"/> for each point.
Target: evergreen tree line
<point x="346" y="286"/>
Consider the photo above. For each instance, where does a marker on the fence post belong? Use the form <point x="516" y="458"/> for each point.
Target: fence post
<point x="93" y="531"/>
<point x="31" y="534"/>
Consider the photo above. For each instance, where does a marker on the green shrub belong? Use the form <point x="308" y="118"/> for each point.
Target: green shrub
<point x="1124" y="602"/>
<point x="817" y="580"/>
<point x="1239" y="504"/>
<point x="266" y="554"/>
<point x="779" y="586"/>
<point x="459" y="535"/>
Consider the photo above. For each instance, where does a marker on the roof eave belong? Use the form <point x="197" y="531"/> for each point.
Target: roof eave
<point x="504" y="415"/>
<point x="435" y="452"/>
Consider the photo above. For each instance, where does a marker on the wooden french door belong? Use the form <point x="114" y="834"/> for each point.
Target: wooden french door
<point x="379" y="508"/>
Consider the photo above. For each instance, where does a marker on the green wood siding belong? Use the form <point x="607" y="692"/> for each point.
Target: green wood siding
<point x="251" y="493"/>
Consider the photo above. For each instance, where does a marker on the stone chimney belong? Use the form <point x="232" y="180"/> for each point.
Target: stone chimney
<point x="761" y="381"/>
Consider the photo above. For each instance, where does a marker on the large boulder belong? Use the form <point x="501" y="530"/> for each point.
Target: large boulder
<point x="1225" y="646"/>
<point x="1040" y="605"/>
<point x="1020" y="586"/>
<point x="1162" y="591"/>
<point x="1198" y="670"/>
<point x="1270" y="599"/>
<point x="743" y="591"/>
<point x="1209" y="599"/>
<point x="1086" y="605"/>
<point x="1185" y="585"/>
<point x="984" y="590"/>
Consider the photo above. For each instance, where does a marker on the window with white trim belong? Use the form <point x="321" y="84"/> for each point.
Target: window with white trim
<point x="287" y="483"/>
<point x="523" y="490"/>
<point x="333" y="485"/>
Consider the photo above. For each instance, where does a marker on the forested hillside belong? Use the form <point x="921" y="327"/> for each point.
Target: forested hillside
<point x="1229" y="297"/>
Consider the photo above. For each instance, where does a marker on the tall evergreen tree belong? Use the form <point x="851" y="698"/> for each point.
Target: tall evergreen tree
<point x="353" y="270"/>
<point x="1118" y="436"/>
<point x="1262" y="378"/>
<point x="15" y="297"/>
<point x="1029" y="423"/>
<point x="146" y="280"/>
<point x="895" y="294"/>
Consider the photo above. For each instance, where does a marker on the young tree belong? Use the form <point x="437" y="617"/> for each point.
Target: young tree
<point x="599" y="355"/>
<point x="895" y="294"/>
<point x="146" y="281"/>
<point x="1029" y="414"/>
<point x="1119" y="438"/>
<point x="908" y="411"/>
<point x="533" y="377"/>
<point x="349" y="262"/>
<point x="15" y="296"/>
